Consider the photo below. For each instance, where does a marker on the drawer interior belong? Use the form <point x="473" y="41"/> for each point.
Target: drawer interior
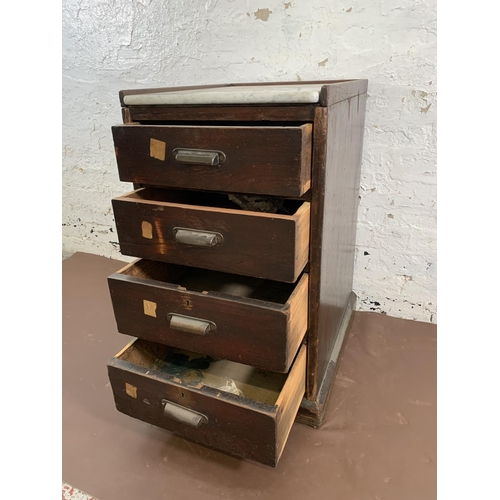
<point x="197" y="370"/>
<point x="206" y="281"/>
<point x="208" y="199"/>
<point x="222" y="404"/>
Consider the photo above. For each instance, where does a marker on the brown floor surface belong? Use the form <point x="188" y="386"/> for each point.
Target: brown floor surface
<point x="378" y="440"/>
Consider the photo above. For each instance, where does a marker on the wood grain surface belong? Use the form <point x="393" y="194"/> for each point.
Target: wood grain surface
<point x="263" y="329"/>
<point x="237" y="425"/>
<point x="334" y="206"/>
<point x="240" y="113"/>
<point x="263" y="245"/>
<point x="258" y="160"/>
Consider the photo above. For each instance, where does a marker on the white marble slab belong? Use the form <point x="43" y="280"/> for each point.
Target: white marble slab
<point x="266" y="94"/>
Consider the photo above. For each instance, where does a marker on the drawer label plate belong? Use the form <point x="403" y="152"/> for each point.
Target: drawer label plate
<point x="149" y="308"/>
<point x="131" y="390"/>
<point x="157" y="149"/>
<point x="147" y="230"/>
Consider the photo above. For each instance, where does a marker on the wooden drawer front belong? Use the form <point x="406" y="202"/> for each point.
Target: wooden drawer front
<point x="220" y="404"/>
<point x="258" y="160"/>
<point x="156" y="224"/>
<point x="252" y="321"/>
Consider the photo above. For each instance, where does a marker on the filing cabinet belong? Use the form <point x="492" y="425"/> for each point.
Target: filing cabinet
<point x="243" y="220"/>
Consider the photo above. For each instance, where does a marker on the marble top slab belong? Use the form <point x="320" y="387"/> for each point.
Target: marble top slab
<point x="265" y="94"/>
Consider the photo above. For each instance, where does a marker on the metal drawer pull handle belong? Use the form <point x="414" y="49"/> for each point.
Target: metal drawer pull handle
<point x="183" y="415"/>
<point x="190" y="325"/>
<point x="197" y="238"/>
<point x="199" y="157"/>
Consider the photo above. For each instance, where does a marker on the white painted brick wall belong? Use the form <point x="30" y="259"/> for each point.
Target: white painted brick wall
<point x="110" y="46"/>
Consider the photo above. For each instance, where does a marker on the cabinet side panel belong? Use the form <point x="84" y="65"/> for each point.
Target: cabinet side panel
<point x="338" y="222"/>
<point x="320" y="134"/>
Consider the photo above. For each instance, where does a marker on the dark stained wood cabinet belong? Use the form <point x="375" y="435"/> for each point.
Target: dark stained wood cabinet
<point x="286" y="170"/>
<point x="244" y="220"/>
<point x="150" y="224"/>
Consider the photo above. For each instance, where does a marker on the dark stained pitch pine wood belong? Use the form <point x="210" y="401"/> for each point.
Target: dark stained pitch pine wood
<point x="264" y="330"/>
<point x="237" y="425"/>
<point x="334" y="206"/>
<point x="249" y="113"/>
<point x="259" y="160"/>
<point x="323" y="247"/>
<point x="269" y="246"/>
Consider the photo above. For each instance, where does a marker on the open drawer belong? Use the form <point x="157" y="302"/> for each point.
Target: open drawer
<point x="208" y="230"/>
<point x="224" y="405"/>
<point x="237" y="159"/>
<point x="248" y="320"/>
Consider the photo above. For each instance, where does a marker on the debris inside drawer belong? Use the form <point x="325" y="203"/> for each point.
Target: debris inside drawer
<point x="194" y="370"/>
<point x="259" y="203"/>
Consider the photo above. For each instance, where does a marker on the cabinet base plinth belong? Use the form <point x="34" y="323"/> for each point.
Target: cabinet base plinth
<point x="312" y="412"/>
